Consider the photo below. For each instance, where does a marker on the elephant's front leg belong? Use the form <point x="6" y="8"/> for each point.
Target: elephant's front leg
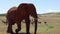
<point x="18" y="27"/>
<point x="27" y="25"/>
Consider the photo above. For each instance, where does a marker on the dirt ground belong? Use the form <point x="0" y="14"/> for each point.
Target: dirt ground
<point x="52" y="26"/>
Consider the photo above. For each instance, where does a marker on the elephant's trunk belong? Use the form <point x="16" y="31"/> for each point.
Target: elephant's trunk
<point x="35" y="25"/>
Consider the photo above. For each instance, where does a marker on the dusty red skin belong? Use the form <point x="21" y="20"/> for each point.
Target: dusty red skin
<point x="17" y="14"/>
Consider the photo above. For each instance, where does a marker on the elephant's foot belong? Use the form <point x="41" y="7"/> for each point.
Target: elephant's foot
<point x="17" y="30"/>
<point x="28" y="33"/>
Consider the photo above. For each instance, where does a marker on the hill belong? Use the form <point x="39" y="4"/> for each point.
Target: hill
<point x="55" y="14"/>
<point x="46" y="14"/>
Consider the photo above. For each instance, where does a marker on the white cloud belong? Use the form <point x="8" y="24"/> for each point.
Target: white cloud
<point x="49" y="10"/>
<point x="2" y="11"/>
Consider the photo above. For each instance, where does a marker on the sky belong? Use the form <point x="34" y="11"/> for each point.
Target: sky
<point x="42" y="6"/>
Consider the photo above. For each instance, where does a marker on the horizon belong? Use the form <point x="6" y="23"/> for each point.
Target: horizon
<point x="38" y="13"/>
<point x="42" y="6"/>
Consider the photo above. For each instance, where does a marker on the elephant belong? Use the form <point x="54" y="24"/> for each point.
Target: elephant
<point x="17" y="14"/>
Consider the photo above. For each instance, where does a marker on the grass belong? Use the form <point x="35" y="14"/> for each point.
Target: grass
<point x="53" y="24"/>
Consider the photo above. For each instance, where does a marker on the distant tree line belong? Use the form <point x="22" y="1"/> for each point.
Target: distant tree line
<point x="2" y="14"/>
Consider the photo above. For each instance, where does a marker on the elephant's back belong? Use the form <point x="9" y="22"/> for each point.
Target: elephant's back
<point x="11" y="14"/>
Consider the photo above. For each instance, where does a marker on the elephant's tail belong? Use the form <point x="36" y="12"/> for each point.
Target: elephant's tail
<point x="5" y="22"/>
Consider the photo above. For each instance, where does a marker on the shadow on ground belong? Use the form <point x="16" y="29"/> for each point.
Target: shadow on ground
<point x="20" y="33"/>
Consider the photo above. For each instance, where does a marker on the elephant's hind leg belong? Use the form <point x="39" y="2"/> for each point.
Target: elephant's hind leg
<point x="9" y="29"/>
